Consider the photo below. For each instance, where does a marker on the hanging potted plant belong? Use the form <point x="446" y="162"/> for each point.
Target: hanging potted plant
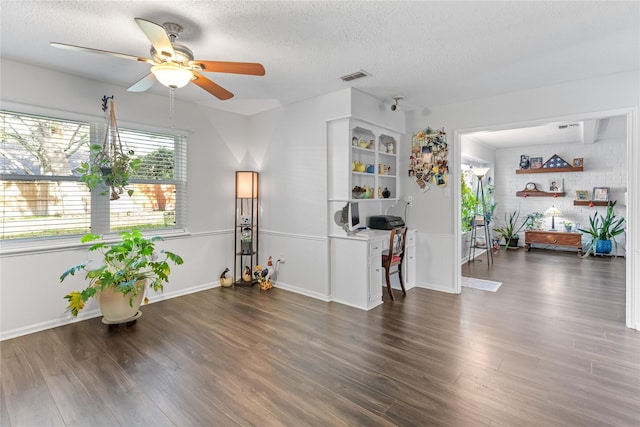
<point x="130" y="264"/>
<point x="110" y="164"/>
<point x="603" y="232"/>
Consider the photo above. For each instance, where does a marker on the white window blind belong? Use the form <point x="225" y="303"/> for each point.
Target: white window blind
<point x="41" y="194"/>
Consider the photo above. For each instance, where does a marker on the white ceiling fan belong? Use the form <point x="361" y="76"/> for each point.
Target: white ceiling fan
<point x="173" y="64"/>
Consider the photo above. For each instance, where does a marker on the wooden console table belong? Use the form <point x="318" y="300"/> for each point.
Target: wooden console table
<point x="558" y="238"/>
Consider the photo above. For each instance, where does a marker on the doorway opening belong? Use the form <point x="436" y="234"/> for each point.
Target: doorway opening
<point x="599" y="141"/>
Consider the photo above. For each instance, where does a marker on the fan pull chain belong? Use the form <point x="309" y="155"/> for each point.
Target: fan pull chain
<point x="172" y="105"/>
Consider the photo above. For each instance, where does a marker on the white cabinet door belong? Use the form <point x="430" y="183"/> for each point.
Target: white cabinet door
<point x="375" y="273"/>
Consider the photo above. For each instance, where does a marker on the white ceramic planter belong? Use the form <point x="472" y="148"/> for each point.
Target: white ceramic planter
<point x="115" y="306"/>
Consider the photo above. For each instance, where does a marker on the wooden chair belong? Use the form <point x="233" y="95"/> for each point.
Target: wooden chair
<point x="394" y="257"/>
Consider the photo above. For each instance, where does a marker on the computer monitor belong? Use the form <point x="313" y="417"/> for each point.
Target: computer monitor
<point x="354" y="216"/>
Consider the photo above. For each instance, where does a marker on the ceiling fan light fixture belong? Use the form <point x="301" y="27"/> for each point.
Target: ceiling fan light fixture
<point x="171" y="75"/>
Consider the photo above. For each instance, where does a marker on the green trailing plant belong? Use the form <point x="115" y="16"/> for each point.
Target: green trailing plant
<point x="110" y="164"/>
<point x="606" y="227"/>
<point x="511" y="228"/>
<point x="126" y="262"/>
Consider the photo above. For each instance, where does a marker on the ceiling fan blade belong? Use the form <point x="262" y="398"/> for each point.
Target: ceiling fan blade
<point x="158" y="37"/>
<point x="214" y="89"/>
<point x="143" y="84"/>
<point x="252" y="68"/>
<point x="102" y="52"/>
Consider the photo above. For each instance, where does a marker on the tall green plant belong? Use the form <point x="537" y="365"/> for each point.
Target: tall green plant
<point x="126" y="262"/>
<point x="604" y="228"/>
<point x="511" y="228"/>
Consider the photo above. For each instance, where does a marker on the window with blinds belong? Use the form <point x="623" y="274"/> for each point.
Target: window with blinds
<point x="42" y="196"/>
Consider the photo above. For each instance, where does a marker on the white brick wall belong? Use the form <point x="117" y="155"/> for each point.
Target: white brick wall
<point x="604" y="166"/>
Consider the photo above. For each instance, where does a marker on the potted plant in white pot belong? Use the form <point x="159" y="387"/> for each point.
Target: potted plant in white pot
<point x="130" y="264"/>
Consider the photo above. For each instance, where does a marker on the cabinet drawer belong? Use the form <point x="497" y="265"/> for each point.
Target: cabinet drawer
<point x="411" y="239"/>
<point x="375" y="248"/>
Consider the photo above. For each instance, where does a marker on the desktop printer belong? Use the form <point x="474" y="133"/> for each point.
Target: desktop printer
<point x="384" y="222"/>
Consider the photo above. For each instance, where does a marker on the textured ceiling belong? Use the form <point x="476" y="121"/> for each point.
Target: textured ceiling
<point x="432" y="53"/>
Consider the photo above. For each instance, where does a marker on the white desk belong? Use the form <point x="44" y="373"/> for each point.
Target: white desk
<point x="356" y="267"/>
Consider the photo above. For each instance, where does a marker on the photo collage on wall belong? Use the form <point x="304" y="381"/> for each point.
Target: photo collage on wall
<point x="428" y="162"/>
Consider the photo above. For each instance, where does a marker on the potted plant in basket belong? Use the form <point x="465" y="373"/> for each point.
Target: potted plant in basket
<point x="509" y="232"/>
<point x="119" y="284"/>
<point x="603" y="231"/>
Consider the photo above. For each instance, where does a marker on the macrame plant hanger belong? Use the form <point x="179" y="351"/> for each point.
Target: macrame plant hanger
<point x="112" y="159"/>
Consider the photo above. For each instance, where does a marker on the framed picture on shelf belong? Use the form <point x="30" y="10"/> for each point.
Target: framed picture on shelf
<point x="582" y="195"/>
<point x="555" y="185"/>
<point x="535" y="162"/>
<point x="578" y="162"/>
<point x="600" y="194"/>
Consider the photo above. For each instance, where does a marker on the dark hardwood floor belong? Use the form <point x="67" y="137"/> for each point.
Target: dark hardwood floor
<point x="548" y="349"/>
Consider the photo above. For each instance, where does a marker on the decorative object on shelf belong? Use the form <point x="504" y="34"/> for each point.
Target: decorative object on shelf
<point x="603" y="231"/>
<point x="582" y="195"/>
<point x="119" y="284"/>
<point x="509" y="232"/>
<point x="386" y="193"/>
<point x="553" y="212"/>
<point x="359" y="167"/>
<point x="531" y="190"/>
<point x="600" y="194"/>
<point x="358" y="192"/>
<point x="110" y="164"/>
<point x="536" y="163"/>
<point x="556" y="162"/>
<point x="225" y="279"/>
<point x="556" y="185"/>
<point x="524" y="161"/>
<point x="390" y="148"/>
<point x="578" y="162"/>
<point x="428" y="157"/>
<point x="369" y="168"/>
<point x="354" y="141"/>
<point x="246" y="227"/>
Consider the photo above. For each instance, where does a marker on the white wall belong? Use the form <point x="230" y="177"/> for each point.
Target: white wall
<point x="31" y="297"/>
<point x="294" y="183"/>
<point x="604" y="166"/>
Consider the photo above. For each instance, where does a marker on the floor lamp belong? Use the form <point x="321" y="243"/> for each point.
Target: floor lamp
<point x="480" y="173"/>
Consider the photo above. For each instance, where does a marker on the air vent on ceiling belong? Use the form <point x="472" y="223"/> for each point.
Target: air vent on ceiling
<point x="353" y="76"/>
<point x="567" y="126"/>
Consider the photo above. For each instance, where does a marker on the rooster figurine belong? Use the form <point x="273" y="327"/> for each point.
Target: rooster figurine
<point x="270" y="270"/>
<point x="262" y="275"/>
<point x="224" y="279"/>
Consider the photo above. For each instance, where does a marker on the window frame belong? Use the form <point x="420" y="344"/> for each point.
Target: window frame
<point x="100" y="204"/>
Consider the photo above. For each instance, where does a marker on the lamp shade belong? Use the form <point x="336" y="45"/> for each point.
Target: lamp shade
<point x="171" y="75"/>
<point x="553" y="211"/>
<point x="246" y="185"/>
<point x="480" y="172"/>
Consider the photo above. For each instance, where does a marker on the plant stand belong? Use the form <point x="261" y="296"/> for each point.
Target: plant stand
<point x="127" y="322"/>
